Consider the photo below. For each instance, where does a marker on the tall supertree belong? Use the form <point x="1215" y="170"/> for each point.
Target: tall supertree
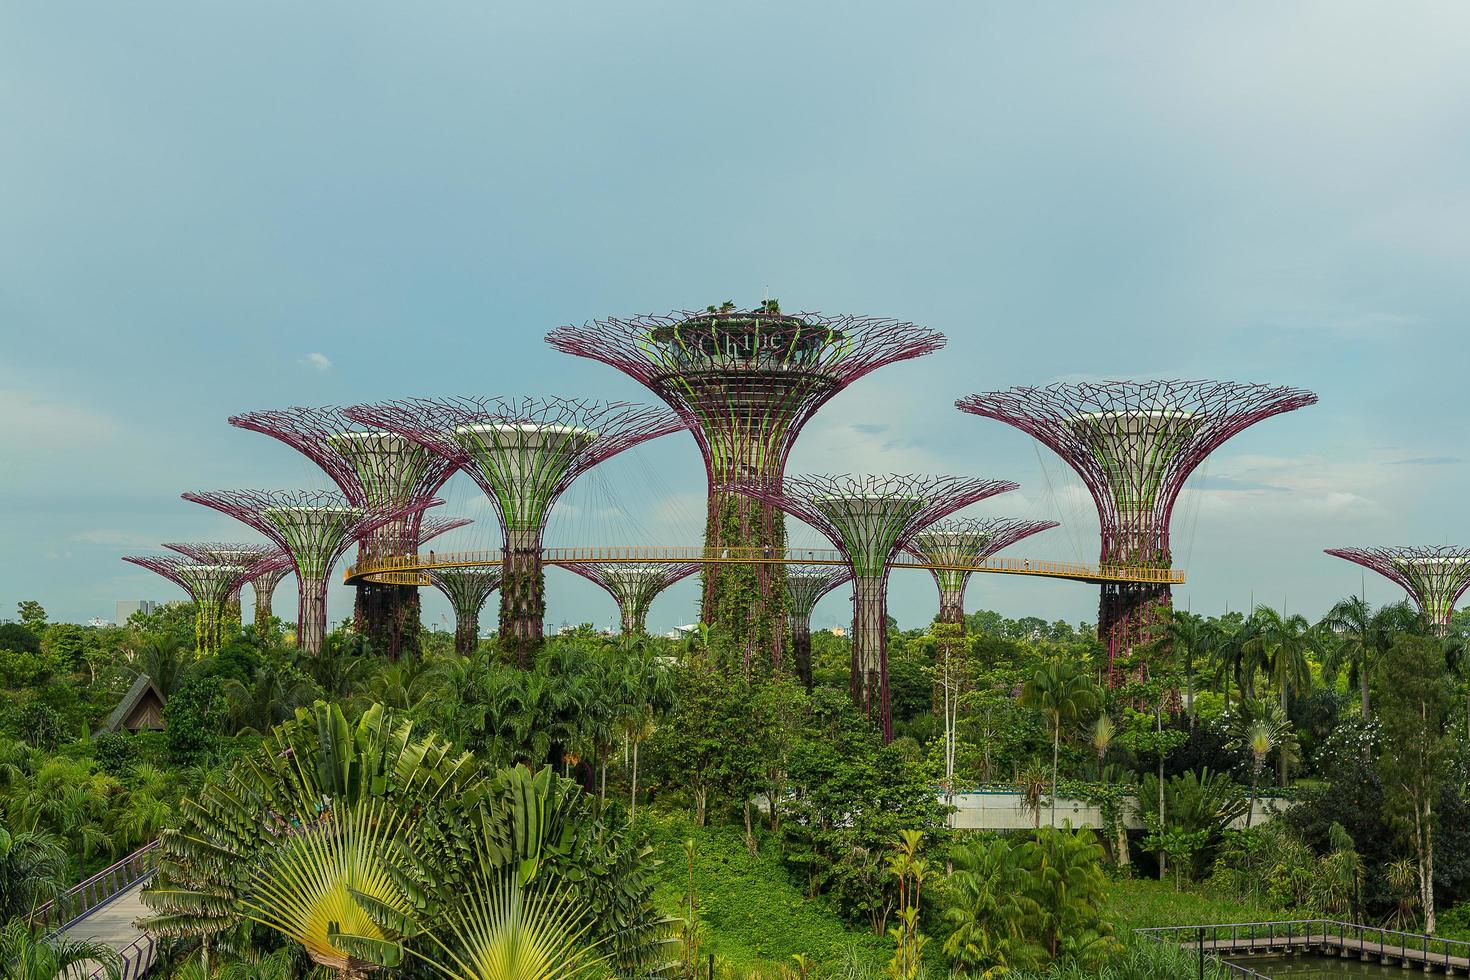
<point x="633" y="586"/>
<point x="374" y="470"/>
<point x="466" y="589"/>
<point x="1134" y="443"/>
<point x="746" y="382"/>
<point x="524" y="453"/>
<point x="870" y="519"/>
<point x="805" y="587"/>
<point x="956" y="547"/>
<point x="315" y="528"/>
<point x="1435" y="576"/>
<point x="254" y="556"/>
<point x="208" y="583"/>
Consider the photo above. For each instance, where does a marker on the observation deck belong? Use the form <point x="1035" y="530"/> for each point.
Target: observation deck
<point x="415" y="569"/>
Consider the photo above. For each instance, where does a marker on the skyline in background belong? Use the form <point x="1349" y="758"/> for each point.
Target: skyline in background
<point x="213" y="210"/>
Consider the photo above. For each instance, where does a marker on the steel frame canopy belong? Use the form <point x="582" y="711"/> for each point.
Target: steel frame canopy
<point x="966" y="541"/>
<point x="633" y="586"/>
<point x="208" y="584"/>
<point x="373" y="469"/>
<point x="466" y="589"/>
<point x="870" y="519"/>
<point x="523" y="453"/>
<point x="254" y="555"/>
<point x="1435" y="577"/>
<point x="1134" y="444"/>
<point x="745" y="382"/>
<point x="805" y="587"/>
<point x="315" y="528"/>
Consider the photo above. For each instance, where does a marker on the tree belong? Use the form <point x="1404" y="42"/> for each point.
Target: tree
<point x="32" y="615"/>
<point x="1280" y="644"/>
<point x="32" y="872"/>
<point x="1363" y="638"/>
<point x="1258" y="729"/>
<point x="1414" y="699"/>
<point x="1063" y="694"/>
<point x="25" y="955"/>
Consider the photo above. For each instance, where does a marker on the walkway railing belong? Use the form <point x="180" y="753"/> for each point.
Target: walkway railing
<point x="414" y="569"/>
<point x="1331" y="935"/>
<point x="138" y="957"/>
<point x="82" y="899"/>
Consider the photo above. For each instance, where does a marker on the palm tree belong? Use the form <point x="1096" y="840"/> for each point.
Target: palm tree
<point x="1226" y="643"/>
<point x="1363" y="637"/>
<point x="988" y="905"/>
<point x="32" y="872"/>
<point x="1281" y="644"/>
<point x="1259" y="729"/>
<point x="25" y="955"/>
<point x="1062" y="694"/>
<point x="1189" y="639"/>
<point x="1100" y="734"/>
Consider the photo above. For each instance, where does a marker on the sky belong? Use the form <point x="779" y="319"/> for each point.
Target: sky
<point x="207" y="208"/>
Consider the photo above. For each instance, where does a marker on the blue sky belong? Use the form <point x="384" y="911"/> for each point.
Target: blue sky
<point x="207" y="208"/>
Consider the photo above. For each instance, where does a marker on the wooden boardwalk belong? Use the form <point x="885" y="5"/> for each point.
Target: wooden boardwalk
<point x="1238" y="942"/>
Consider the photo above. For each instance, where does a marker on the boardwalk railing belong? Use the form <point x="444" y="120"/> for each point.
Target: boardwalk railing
<point x="1330" y="936"/>
<point x="138" y="957"/>
<point x="414" y="569"/>
<point x="82" y="899"/>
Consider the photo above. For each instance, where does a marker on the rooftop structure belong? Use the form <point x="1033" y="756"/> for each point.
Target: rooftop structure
<point x="373" y="469"/>
<point x="634" y="587"/>
<point x="1435" y="576"/>
<point x="959" y="544"/>
<point x="314" y="527"/>
<point x="805" y="587"/>
<point x="745" y="382"/>
<point x="523" y="453"/>
<point x="466" y="589"/>
<point x="870" y="519"/>
<point x="1134" y="444"/>
<point x="208" y="584"/>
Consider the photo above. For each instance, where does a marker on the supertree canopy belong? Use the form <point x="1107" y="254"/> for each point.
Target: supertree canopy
<point x="208" y="583"/>
<point x="1435" y="577"/>
<point x="805" y="587"/>
<point x="1134" y="443"/>
<point x="745" y="382"/>
<point x="314" y="527"/>
<point x="253" y="556"/>
<point x="523" y="453"/>
<point x="958" y="545"/>
<point x="466" y="589"/>
<point x="633" y="586"/>
<point x="374" y="469"/>
<point x="870" y="519"/>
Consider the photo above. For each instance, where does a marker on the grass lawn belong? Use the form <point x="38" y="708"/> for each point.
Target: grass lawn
<point x="1138" y="903"/>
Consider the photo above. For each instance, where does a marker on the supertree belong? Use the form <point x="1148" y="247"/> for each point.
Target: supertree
<point x="253" y="556"/>
<point x="805" y="587"/>
<point x="263" y="582"/>
<point x="374" y="470"/>
<point x="746" y="382"/>
<point x="314" y="527"/>
<point x="1134" y="443"/>
<point x="1435" y="576"/>
<point x="870" y="519"/>
<point x="956" y="547"/>
<point x="524" y="453"/>
<point x="208" y="583"/>
<point x="633" y="586"/>
<point x="466" y="589"/>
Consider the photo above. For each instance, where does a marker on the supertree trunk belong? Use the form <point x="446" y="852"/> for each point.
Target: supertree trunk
<point x="388" y="617"/>
<point x="311" y="615"/>
<point x="801" y="652"/>
<point x="466" y="632"/>
<point x="746" y="599"/>
<point x="1127" y="617"/>
<point x="952" y="606"/>
<point x="522" y="596"/>
<point x="870" y="650"/>
<point x="264" y="586"/>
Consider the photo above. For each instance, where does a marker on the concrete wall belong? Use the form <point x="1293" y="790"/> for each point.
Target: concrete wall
<point x="1002" y="810"/>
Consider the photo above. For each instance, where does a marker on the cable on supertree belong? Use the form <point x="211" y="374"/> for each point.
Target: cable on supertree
<point x="805" y="587"/>
<point x="466" y="589"/>
<point x="959" y="545"/>
<point x="1134" y="443"/>
<point x="1435" y="577"/>
<point x="315" y="527"/>
<point x="373" y="469"/>
<point x="524" y="453"/>
<point x="870" y="519"/>
<point x="745" y="382"/>
<point x="226" y="552"/>
<point x="208" y="584"/>
<point x="633" y="586"/>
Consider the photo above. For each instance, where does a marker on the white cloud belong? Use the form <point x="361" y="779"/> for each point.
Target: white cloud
<point x="317" y="360"/>
<point x="44" y="422"/>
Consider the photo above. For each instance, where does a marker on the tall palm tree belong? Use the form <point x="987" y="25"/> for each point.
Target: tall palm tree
<point x="1225" y="642"/>
<point x="1063" y="694"/>
<point x="1260" y="728"/>
<point x="1281" y="644"/>
<point x="1362" y="637"/>
<point x="1189" y="639"/>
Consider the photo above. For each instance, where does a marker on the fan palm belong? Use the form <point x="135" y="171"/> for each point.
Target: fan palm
<point x="1260" y="728"/>
<point x="1062" y="694"/>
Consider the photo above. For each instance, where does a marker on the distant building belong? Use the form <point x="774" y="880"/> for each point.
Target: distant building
<point x="127" y="607"/>
<point x="98" y="623"/>
<point x="679" y="632"/>
<point x="837" y="631"/>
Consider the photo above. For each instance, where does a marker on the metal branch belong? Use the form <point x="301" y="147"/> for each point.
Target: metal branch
<point x="966" y="541"/>
<point x="633" y="586"/>
<point x="1435" y="577"/>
